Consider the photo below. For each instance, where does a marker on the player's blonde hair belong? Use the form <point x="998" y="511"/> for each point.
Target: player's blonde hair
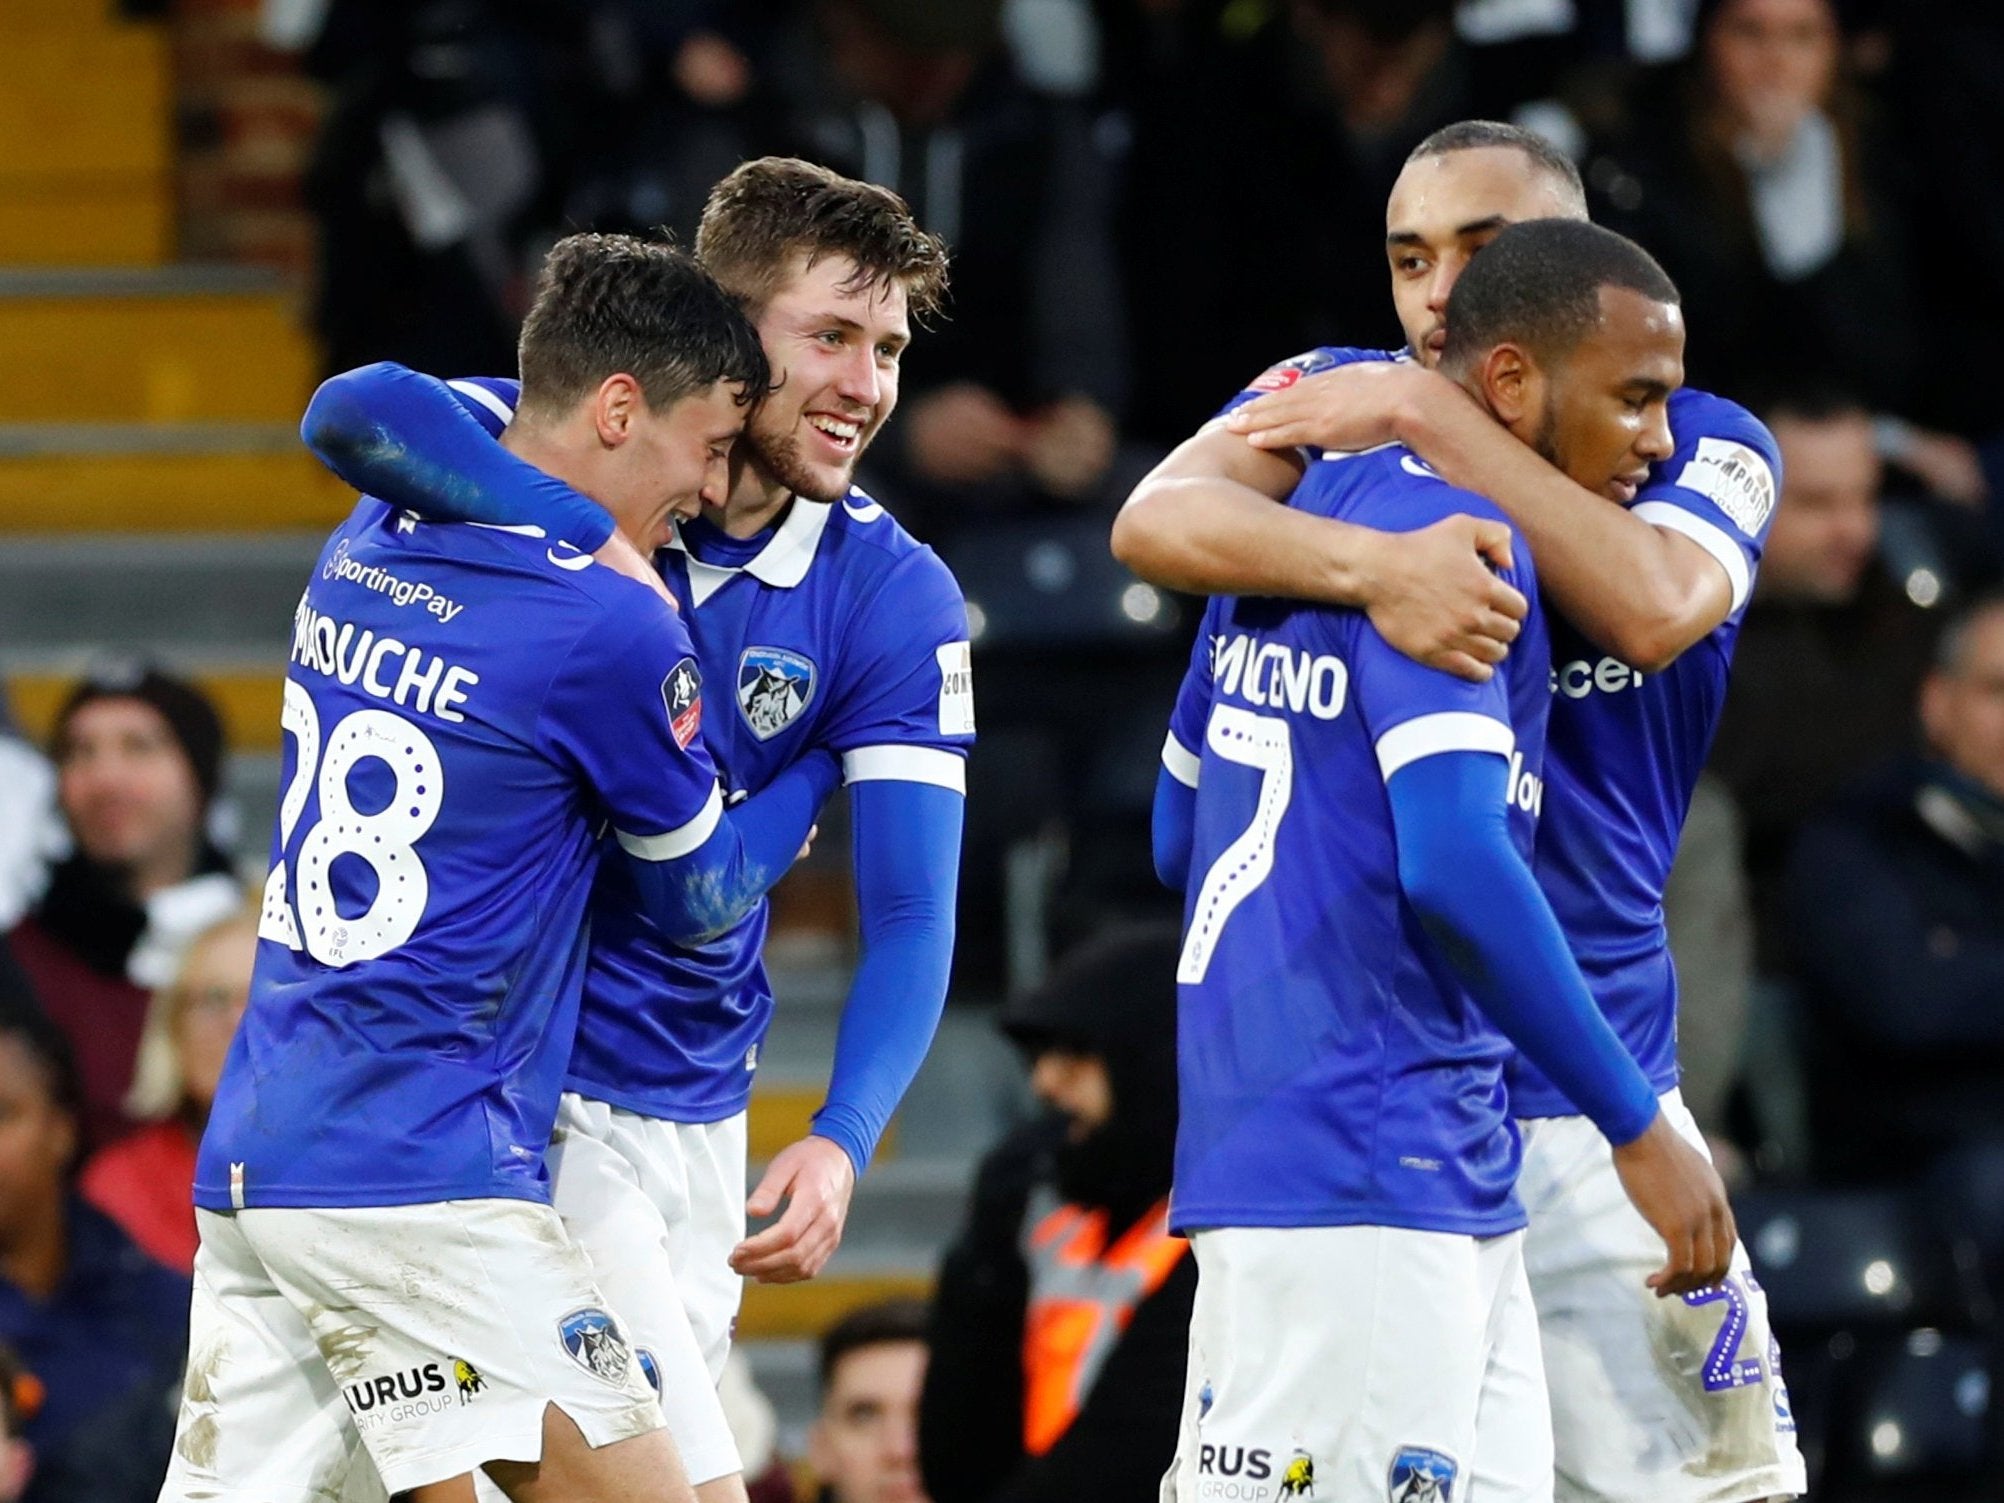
<point x="158" y="1084"/>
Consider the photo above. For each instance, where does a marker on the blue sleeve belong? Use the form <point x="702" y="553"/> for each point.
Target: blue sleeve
<point x="905" y="703"/>
<point x="1173" y="829"/>
<point x="625" y="711"/>
<point x="418" y="443"/>
<point x="1475" y="894"/>
<point x="907" y="874"/>
<point x="1719" y="488"/>
<point x="1173" y="825"/>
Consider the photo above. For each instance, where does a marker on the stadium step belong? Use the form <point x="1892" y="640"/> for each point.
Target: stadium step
<point x="85" y="136"/>
<point x="167" y="345"/>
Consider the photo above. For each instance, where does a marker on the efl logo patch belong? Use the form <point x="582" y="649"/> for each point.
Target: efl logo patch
<point x="774" y="686"/>
<point x="1280" y="377"/>
<point x="594" y="1341"/>
<point x="1420" y="1475"/>
<point x="682" y="693"/>
<point x="1733" y="478"/>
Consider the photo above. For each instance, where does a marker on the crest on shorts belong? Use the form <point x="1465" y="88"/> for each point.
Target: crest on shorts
<point x="593" y="1339"/>
<point x="1421" y="1475"/>
<point x="774" y="686"/>
<point x="649" y="1368"/>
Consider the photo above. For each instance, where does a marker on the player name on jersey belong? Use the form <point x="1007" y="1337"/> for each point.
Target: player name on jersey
<point x="362" y="657"/>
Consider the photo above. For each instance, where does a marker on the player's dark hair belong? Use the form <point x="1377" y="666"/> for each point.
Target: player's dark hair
<point x="892" y="1320"/>
<point x="22" y="1018"/>
<point x="770" y="213"/>
<point x="1475" y="135"/>
<point x="1537" y="284"/>
<point x="610" y="305"/>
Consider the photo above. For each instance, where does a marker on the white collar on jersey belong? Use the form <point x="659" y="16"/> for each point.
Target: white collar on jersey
<point x="782" y="563"/>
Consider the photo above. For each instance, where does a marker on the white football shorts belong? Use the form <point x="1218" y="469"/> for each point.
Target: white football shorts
<point x="1676" y="1400"/>
<point x="1361" y="1362"/>
<point x="335" y="1352"/>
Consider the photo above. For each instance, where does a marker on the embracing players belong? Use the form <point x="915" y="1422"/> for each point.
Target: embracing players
<point x="466" y="709"/>
<point x="1674" y="1398"/>
<point x="825" y="626"/>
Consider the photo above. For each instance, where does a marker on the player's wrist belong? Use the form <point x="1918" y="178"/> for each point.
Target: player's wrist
<point x="1356" y="565"/>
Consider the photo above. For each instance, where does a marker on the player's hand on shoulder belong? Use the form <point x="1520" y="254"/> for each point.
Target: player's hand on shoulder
<point x="1356" y="406"/>
<point x="620" y="556"/>
<point x="1433" y="594"/>
<point x="1679" y="1194"/>
<point x="815" y="1180"/>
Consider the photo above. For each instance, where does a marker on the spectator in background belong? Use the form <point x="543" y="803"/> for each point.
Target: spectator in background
<point x="1061" y="1321"/>
<point x="27" y="818"/>
<point x="145" y="1181"/>
<point x="863" y="1446"/>
<point x="1016" y="402"/>
<point x="1831" y="651"/>
<point x="138" y="762"/>
<point x="1896" y="921"/>
<point x="101" y="1325"/>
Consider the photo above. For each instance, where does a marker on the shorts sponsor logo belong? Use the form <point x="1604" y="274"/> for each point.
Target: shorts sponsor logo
<point x="774" y="686"/>
<point x="413" y="1393"/>
<point x="1298" y="1481"/>
<point x="1234" y="1474"/>
<point x="1421" y="1475"/>
<point x="682" y="693"/>
<point x="649" y="1368"/>
<point x="593" y="1339"/>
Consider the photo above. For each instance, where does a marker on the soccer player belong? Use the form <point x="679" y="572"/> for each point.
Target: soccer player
<point x="467" y="708"/>
<point x="1353" y="833"/>
<point x="1673" y="1398"/>
<point x="835" y="630"/>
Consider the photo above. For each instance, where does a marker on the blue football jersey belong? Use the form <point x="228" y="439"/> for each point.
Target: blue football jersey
<point x="466" y="709"/>
<point x="1626" y="747"/>
<point x="1332" y="1069"/>
<point x="836" y="629"/>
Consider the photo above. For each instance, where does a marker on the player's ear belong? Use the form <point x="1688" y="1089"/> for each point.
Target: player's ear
<point x="615" y="406"/>
<point x="1511" y="383"/>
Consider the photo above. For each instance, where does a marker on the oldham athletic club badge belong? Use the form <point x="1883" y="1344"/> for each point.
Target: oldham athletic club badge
<point x="682" y="693"/>
<point x="593" y="1339"/>
<point x="774" y="686"/>
<point x="1420" y="1475"/>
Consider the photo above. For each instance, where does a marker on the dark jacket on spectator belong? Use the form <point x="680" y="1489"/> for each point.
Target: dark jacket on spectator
<point x="108" y="1348"/>
<point x="1895" y="905"/>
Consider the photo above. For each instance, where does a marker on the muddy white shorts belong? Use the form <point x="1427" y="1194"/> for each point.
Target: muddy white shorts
<point x="1676" y="1400"/>
<point x="334" y="1352"/>
<point x="657" y="1207"/>
<point x="1361" y="1362"/>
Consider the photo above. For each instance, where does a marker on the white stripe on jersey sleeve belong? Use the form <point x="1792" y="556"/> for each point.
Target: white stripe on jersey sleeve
<point x="485" y="398"/>
<point x="905" y="764"/>
<point x="678" y="842"/>
<point x="1450" y="730"/>
<point x="1713" y="540"/>
<point x="1182" y="763"/>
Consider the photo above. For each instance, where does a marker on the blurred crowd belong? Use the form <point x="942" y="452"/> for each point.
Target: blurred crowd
<point x="1149" y="202"/>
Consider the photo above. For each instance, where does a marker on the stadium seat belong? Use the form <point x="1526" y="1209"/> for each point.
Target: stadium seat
<point x="1041" y="582"/>
<point x="1858" y="1261"/>
<point x="1915" y="1421"/>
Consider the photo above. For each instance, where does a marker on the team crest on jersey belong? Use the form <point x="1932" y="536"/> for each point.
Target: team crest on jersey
<point x="1420" y="1475"/>
<point x="774" y="686"/>
<point x="1280" y="377"/>
<point x="682" y="693"/>
<point x="593" y="1339"/>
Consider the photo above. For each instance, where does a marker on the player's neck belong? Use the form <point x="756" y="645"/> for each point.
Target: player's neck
<point x="576" y="457"/>
<point x="755" y="504"/>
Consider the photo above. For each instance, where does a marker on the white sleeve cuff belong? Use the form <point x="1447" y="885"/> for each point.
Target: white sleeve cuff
<point x="1182" y="763"/>
<point x="1713" y="540"/>
<point x="1450" y="730"/>
<point x="679" y="842"/>
<point x="905" y="764"/>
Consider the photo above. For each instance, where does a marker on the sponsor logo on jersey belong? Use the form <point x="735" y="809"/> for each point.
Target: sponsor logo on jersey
<point x="1734" y="478"/>
<point x="774" y="686"/>
<point x="1280" y="377"/>
<point x="398" y="591"/>
<point x="1274" y="675"/>
<point x="1579" y="678"/>
<point x="1421" y="1475"/>
<point x="1298" y="1481"/>
<point x="595" y="1343"/>
<point x="956" y="688"/>
<point x="1527" y="789"/>
<point x="682" y="693"/>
